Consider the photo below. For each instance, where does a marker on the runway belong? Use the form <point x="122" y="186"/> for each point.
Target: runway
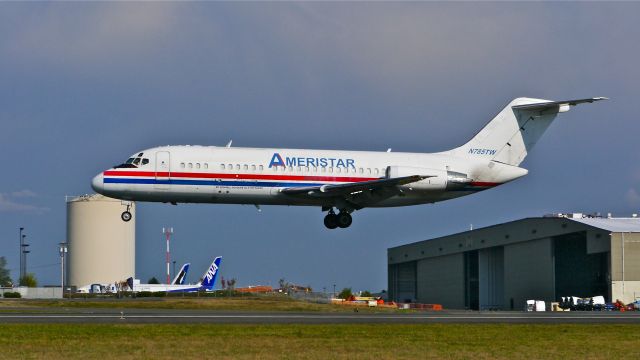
<point x="137" y="316"/>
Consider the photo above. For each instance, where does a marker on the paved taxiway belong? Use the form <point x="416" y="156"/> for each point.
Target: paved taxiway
<point x="140" y="316"/>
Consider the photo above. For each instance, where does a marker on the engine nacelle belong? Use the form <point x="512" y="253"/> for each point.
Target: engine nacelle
<point x="437" y="178"/>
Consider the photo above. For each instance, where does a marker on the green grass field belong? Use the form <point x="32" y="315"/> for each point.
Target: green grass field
<point x="63" y="341"/>
<point x="225" y="341"/>
<point x="268" y="303"/>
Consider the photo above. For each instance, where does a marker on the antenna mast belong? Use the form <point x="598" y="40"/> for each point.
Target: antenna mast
<point x="167" y="234"/>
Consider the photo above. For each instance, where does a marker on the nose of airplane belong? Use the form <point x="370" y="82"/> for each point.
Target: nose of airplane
<point x="98" y="183"/>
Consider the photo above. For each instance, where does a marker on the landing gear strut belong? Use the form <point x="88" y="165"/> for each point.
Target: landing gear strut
<point x="342" y="220"/>
<point x="126" y="215"/>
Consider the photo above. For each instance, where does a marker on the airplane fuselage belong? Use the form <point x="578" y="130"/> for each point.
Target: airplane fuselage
<point x="209" y="174"/>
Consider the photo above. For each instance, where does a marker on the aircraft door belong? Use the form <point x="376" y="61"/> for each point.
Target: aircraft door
<point x="163" y="170"/>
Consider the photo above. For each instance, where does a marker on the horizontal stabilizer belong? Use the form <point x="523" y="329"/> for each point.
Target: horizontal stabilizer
<point x="540" y="106"/>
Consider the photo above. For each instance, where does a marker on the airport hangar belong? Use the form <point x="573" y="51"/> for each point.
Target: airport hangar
<point x="500" y="267"/>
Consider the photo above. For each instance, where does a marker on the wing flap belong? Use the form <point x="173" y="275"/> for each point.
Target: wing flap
<point x="350" y="188"/>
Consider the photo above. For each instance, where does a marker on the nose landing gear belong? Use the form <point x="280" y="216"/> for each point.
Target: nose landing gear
<point x="342" y="220"/>
<point x="126" y="215"/>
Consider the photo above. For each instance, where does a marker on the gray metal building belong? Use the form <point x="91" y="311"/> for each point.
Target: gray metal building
<point x="502" y="266"/>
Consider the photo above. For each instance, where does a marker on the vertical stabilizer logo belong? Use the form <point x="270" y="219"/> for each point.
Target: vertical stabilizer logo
<point x="212" y="271"/>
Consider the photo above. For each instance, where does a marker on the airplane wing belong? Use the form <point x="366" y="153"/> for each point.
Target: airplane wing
<point x="556" y="104"/>
<point x="352" y="187"/>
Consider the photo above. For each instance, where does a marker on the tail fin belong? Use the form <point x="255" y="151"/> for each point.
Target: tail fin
<point x="209" y="278"/>
<point x="515" y="130"/>
<point x="182" y="275"/>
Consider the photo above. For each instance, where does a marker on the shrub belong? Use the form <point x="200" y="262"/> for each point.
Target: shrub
<point x="12" y="295"/>
<point x="143" y="294"/>
<point x="29" y="280"/>
<point x="345" y="293"/>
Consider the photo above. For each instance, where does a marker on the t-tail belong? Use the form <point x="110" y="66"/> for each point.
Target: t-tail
<point x="209" y="278"/>
<point x="510" y="136"/>
<point x="182" y="275"/>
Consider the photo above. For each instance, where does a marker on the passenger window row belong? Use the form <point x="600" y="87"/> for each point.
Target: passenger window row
<point x="244" y="167"/>
<point x="290" y="169"/>
<point x="194" y="165"/>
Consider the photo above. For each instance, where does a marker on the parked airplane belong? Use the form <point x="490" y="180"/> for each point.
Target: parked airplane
<point x="182" y="275"/>
<point x="112" y="288"/>
<point x="345" y="180"/>
<point x="206" y="283"/>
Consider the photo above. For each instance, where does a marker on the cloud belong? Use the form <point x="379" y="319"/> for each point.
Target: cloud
<point x="23" y="194"/>
<point x="391" y="47"/>
<point x="633" y="197"/>
<point x="9" y="203"/>
<point x="97" y="33"/>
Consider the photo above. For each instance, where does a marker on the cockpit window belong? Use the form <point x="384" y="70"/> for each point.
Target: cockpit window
<point x="145" y="161"/>
<point x="140" y="155"/>
<point x="130" y="163"/>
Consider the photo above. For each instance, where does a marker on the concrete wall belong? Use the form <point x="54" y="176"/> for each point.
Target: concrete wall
<point x="627" y="253"/>
<point x="627" y="291"/>
<point x="528" y="272"/>
<point x="440" y="280"/>
<point x="35" y="292"/>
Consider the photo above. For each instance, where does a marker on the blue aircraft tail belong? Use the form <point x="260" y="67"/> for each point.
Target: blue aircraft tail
<point x="182" y="275"/>
<point x="209" y="278"/>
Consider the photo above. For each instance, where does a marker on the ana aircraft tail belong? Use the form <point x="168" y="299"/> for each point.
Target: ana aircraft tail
<point x="515" y="130"/>
<point x="182" y="275"/>
<point x="209" y="278"/>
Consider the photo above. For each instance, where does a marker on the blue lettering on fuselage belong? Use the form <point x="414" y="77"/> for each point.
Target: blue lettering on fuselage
<point x="278" y="160"/>
<point x="482" y="151"/>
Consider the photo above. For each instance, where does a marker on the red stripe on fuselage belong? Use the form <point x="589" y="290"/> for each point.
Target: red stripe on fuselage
<point x="237" y="176"/>
<point x="487" y="184"/>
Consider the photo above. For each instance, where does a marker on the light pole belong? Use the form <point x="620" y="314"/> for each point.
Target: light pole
<point x="63" y="251"/>
<point x="21" y="239"/>
<point x="24" y="245"/>
<point x="334" y="290"/>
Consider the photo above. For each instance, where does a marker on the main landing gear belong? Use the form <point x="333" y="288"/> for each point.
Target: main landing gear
<point x="341" y="220"/>
<point x="126" y="215"/>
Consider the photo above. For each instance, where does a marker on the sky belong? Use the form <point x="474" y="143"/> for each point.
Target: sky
<point x="85" y="85"/>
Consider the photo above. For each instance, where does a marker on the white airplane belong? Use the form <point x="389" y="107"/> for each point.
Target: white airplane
<point x="206" y="283"/>
<point x="111" y="288"/>
<point x="345" y="180"/>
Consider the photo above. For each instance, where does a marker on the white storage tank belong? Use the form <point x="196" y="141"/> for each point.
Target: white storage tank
<point x="101" y="245"/>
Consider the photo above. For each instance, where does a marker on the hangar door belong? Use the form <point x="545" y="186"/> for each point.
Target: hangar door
<point x="402" y="281"/>
<point x="491" y="278"/>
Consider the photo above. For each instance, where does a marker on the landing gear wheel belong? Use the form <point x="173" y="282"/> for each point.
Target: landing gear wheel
<point x="344" y="220"/>
<point x="331" y="221"/>
<point x="126" y="216"/>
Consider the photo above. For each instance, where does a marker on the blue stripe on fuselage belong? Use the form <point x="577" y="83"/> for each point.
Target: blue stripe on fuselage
<point x="206" y="182"/>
